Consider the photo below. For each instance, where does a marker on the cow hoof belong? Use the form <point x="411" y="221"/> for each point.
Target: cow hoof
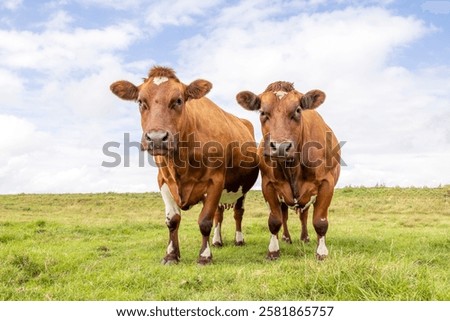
<point x="273" y="255"/>
<point x="304" y="239"/>
<point x="217" y="244"/>
<point x="239" y="243"/>
<point x="202" y="260"/>
<point x="170" y="260"/>
<point x="287" y="239"/>
<point x="320" y="257"/>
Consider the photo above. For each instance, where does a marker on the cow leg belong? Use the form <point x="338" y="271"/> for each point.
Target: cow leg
<point x="218" y="219"/>
<point x="205" y="222"/>
<point x="173" y="218"/>
<point x="275" y="220"/>
<point x="304" y="236"/>
<point x="238" y="214"/>
<point x="286" y="236"/>
<point x="320" y="219"/>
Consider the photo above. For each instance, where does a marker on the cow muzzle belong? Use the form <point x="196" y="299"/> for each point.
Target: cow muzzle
<point x="283" y="150"/>
<point x="158" y="142"/>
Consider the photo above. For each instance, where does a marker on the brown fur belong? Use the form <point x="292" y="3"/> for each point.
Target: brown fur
<point x="312" y="99"/>
<point x="198" y="88"/>
<point x="205" y="150"/>
<point x="310" y="170"/>
<point x="280" y="86"/>
<point x="159" y="71"/>
<point x="124" y="90"/>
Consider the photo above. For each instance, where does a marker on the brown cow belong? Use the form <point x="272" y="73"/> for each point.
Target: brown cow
<point x="299" y="165"/>
<point x="200" y="150"/>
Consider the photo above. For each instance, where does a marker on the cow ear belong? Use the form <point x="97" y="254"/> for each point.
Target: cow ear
<point x="125" y="90"/>
<point x="312" y="99"/>
<point x="248" y="100"/>
<point x="197" y="89"/>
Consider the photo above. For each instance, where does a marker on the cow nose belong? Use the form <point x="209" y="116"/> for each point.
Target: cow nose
<point x="280" y="149"/>
<point x="157" y="138"/>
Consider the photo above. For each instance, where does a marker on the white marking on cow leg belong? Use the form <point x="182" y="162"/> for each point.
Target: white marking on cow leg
<point x="207" y="251"/>
<point x="170" y="248"/>
<point x="273" y="245"/>
<point x="171" y="207"/>
<point x="217" y="236"/>
<point x="159" y="80"/>
<point x="239" y="237"/>
<point x="322" y="250"/>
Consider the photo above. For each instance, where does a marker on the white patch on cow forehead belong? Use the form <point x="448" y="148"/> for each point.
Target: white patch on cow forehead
<point x="159" y="80"/>
<point x="230" y="197"/>
<point x="280" y="94"/>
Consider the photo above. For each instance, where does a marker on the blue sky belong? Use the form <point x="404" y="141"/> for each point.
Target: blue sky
<point x="384" y="65"/>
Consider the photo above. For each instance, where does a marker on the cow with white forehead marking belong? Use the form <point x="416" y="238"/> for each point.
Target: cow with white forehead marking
<point x="204" y="154"/>
<point x="299" y="160"/>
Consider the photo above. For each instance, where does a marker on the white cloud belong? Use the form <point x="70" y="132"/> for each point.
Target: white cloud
<point x="57" y="111"/>
<point x="59" y="21"/>
<point x="35" y="161"/>
<point x="59" y="52"/>
<point x="11" y="86"/>
<point x="17" y="135"/>
<point x="116" y="4"/>
<point x="178" y="12"/>
<point x="257" y="50"/>
<point x="11" y="4"/>
<point x="62" y="74"/>
<point x="436" y="7"/>
<point x="411" y="169"/>
<point x="380" y="109"/>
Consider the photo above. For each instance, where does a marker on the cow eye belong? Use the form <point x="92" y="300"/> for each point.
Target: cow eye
<point x="141" y="105"/>
<point x="296" y="115"/>
<point x="264" y="115"/>
<point x="176" y="103"/>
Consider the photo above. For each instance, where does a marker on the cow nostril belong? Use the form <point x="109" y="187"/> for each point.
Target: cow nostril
<point x="165" y="137"/>
<point x="148" y="137"/>
<point x="273" y="145"/>
<point x="287" y="146"/>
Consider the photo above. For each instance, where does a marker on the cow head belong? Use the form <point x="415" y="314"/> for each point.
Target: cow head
<point x="281" y="107"/>
<point x="161" y="98"/>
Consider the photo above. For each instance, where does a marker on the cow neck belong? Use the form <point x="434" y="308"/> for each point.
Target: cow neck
<point x="185" y="125"/>
<point x="289" y="175"/>
<point x="186" y="137"/>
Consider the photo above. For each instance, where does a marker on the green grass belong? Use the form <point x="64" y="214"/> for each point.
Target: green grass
<point x="385" y="244"/>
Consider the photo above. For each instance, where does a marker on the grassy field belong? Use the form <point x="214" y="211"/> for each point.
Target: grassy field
<point x="385" y="244"/>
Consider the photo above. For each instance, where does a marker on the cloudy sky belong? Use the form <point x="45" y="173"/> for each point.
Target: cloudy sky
<point x="384" y="65"/>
